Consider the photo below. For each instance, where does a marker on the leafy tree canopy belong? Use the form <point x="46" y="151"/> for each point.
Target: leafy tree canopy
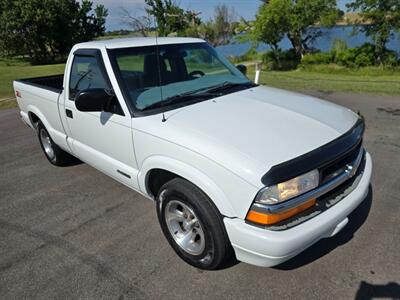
<point x="382" y="18"/>
<point x="170" y="17"/>
<point x="47" y="29"/>
<point x="294" y="18"/>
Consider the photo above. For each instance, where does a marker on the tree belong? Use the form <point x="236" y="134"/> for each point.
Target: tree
<point x="218" y="31"/>
<point x="142" y="24"/>
<point x="224" y="18"/>
<point x="295" y="18"/>
<point x="271" y="25"/>
<point x="170" y="17"/>
<point x="382" y="18"/>
<point x="47" y="29"/>
<point x="205" y="30"/>
<point x="92" y="24"/>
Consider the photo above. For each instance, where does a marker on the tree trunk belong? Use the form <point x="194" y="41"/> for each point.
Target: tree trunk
<point x="380" y="49"/>
<point x="275" y="50"/>
<point x="295" y="40"/>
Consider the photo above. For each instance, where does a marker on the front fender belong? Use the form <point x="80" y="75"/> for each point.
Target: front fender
<point x="191" y="174"/>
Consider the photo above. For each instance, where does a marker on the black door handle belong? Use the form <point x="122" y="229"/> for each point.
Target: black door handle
<point x="69" y="113"/>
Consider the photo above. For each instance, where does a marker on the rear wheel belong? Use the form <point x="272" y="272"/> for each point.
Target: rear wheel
<point x="52" y="151"/>
<point x="192" y="225"/>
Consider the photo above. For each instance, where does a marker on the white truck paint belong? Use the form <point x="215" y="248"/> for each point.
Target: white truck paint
<point x="223" y="145"/>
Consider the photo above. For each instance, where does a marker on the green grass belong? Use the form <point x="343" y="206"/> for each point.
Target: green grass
<point x="8" y="104"/>
<point x="17" y="69"/>
<point x="334" y="79"/>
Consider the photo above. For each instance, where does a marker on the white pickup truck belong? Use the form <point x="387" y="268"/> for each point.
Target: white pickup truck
<point x="234" y="168"/>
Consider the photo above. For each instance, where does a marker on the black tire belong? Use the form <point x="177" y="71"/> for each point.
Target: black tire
<point x="217" y="250"/>
<point x="57" y="157"/>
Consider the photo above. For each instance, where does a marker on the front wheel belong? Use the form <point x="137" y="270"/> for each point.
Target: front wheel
<point x="192" y="225"/>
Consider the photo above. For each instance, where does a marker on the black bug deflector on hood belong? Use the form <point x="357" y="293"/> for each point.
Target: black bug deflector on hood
<point x="317" y="158"/>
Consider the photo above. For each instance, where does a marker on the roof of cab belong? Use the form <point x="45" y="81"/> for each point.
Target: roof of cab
<point x="137" y="42"/>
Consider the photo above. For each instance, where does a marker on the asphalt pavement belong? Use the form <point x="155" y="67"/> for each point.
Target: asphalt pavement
<point x="72" y="232"/>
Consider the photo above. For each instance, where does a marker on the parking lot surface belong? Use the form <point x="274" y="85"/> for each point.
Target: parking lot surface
<point x="73" y="232"/>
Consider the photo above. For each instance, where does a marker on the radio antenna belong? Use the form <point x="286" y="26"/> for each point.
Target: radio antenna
<point x="159" y="70"/>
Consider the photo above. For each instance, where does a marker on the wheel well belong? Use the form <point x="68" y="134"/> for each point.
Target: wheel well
<point x="34" y="119"/>
<point x="156" y="179"/>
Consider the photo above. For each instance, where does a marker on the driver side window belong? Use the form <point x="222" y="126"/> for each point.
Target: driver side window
<point x="86" y="74"/>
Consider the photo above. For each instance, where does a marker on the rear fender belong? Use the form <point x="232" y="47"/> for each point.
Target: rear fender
<point x="58" y="137"/>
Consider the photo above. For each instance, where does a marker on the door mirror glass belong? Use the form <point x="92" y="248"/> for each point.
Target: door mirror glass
<point x="92" y="100"/>
<point x="242" y="68"/>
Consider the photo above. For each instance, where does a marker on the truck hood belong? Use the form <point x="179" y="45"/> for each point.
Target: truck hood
<point x="250" y="131"/>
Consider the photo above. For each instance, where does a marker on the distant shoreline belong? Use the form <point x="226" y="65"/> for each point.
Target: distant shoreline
<point x="350" y="18"/>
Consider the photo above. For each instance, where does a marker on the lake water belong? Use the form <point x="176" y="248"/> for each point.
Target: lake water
<point x="323" y="43"/>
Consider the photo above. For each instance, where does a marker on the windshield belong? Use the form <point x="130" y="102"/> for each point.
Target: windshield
<point x="150" y="75"/>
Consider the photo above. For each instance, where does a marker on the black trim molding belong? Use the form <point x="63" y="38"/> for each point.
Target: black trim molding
<point x="124" y="174"/>
<point x="87" y="52"/>
<point x="39" y="82"/>
<point x="317" y="158"/>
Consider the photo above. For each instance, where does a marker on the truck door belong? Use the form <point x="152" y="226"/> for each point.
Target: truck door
<point x="102" y="139"/>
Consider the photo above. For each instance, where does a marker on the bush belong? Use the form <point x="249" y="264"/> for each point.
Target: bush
<point x="364" y="60"/>
<point x="250" y="55"/>
<point x="338" y="46"/>
<point x="357" y="57"/>
<point x="364" y="56"/>
<point x="392" y="60"/>
<point x="280" y="60"/>
<point x="317" y="58"/>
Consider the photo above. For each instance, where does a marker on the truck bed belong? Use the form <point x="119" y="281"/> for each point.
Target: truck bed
<point x="53" y="83"/>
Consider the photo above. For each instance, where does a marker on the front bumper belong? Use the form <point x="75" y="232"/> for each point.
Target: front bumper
<point x="268" y="248"/>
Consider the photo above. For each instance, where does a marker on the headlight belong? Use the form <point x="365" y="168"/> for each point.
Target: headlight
<point x="289" y="189"/>
<point x="281" y="192"/>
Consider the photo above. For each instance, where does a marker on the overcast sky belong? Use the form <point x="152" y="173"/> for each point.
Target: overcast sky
<point x="244" y="8"/>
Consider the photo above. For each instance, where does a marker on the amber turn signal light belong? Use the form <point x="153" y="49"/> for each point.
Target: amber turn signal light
<point x="269" y="219"/>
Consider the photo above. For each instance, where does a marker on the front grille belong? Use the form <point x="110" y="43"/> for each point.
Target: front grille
<point x="339" y="165"/>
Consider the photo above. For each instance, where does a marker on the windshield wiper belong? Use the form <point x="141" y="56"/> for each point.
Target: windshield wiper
<point x="227" y="85"/>
<point x="199" y="94"/>
<point x="222" y="86"/>
<point x="184" y="97"/>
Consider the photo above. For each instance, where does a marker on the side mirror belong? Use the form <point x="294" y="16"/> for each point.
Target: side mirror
<point x="92" y="100"/>
<point x="242" y="68"/>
